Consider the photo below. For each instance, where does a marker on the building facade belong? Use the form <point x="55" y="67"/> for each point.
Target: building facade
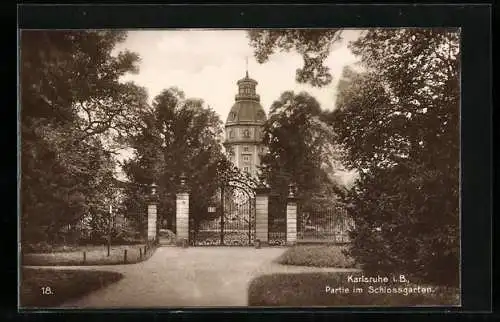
<point x="244" y="127"/>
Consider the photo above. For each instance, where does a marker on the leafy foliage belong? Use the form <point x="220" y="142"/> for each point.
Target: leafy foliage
<point x="298" y="146"/>
<point x="399" y="123"/>
<point x="73" y="106"/>
<point x="312" y="44"/>
<point x="180" y="135"/>
<point x="397" y="120"/>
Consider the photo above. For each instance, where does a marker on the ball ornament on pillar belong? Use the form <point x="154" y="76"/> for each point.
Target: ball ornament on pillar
<point x="153" y="196"/>
<point x="292" y="190"/>
<point x="153" y="189"/>
<point x="262" y="182"/>
<point x="183" y="187"/>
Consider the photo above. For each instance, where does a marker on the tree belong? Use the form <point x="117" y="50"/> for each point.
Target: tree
<point x="67" y="74"/>
<point x="73" y="105"/>
<point x="299" y="144"/>
<point x="180" y="136"/>
<point x="398" y="121"/>
<point x="61" y="185"/>
<point x="312" y="44"/>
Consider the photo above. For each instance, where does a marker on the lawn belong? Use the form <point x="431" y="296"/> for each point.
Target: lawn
<point x="94" y="255"/>
<point x="310" y="290"/>
<point x="52" y="287"/>
<point x="316" y="255"/>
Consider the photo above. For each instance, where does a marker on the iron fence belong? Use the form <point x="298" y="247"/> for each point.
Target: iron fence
<point x="276" y="221"/>
<point x="234" y="226"/>
<point x="330" y="225"/>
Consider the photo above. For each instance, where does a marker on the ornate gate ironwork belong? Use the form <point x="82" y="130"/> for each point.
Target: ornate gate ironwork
<point x="277" y="221"/>
<point x="324" y="225"/>
<point x="233" y="224"/>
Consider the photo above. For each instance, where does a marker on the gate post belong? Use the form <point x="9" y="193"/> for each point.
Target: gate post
<point x="152" y="213"/>
<point x="291" y="217"/>
<point x="261" y="214"/>
<point x="182" y="213"/>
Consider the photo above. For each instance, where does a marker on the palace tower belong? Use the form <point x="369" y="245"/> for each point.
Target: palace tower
<point x="244" y="127"/>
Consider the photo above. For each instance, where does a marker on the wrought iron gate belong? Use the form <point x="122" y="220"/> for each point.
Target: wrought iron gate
<point x="277" y="220"/>
<point x="324" y="225"/>
<point x="233" y="223"/>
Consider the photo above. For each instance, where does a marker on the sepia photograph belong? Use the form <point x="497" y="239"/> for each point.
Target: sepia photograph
<point x="254" y="168"/>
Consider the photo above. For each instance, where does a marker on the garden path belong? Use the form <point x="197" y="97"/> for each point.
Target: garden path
<point x="188" y="277"/>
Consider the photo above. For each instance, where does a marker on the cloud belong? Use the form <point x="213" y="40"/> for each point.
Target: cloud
<point x="207" y="64"/>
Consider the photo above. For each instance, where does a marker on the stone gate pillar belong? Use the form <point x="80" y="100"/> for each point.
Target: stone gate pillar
<point x="152" y="213"/>
<point x="182" y="214"/>
<point x="291" y="217"/>
<point x="261" y="214"/>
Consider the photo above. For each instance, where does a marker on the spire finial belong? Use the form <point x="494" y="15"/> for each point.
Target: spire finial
<point x="246" y="58"/>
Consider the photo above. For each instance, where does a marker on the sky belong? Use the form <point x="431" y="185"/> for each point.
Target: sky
<point x="206" y="64"/>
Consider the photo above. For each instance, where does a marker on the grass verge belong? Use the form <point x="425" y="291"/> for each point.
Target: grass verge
<point x="309" y="290"/>
<point x="94" y="255"/>
<point x="51" y="287"/>
<point x="316" y="255"/>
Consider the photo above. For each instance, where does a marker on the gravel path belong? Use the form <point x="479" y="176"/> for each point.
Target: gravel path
<point x="188" y="277"/>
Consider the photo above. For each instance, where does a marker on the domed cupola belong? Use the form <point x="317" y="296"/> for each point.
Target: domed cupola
<point x="247" y="108"/>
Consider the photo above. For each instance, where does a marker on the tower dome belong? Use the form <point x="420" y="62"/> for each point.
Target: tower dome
<point x="247" y="108"/>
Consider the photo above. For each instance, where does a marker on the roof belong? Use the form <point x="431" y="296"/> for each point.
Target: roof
<point x="246" y="111"/>
<point x="247" y="108"/>
<point x="247" y="79"/>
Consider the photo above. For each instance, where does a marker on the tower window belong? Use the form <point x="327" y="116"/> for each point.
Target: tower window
<point x="246" y="158"/>
<point x="231" y="134"/>
<point x="246" y="133"/>
<point x="246" y="169"/>
<point x="245" y="149"/>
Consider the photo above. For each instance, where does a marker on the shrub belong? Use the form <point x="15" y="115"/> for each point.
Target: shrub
<point x="67" y="285"/>
<point x="40" y="247"/>
<point x="308" y="290"/>
<point x="316" y="255"/>
<point x="406" y="222"/>
<point x="126" y="236"/>
<point x="167" y="236"/>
